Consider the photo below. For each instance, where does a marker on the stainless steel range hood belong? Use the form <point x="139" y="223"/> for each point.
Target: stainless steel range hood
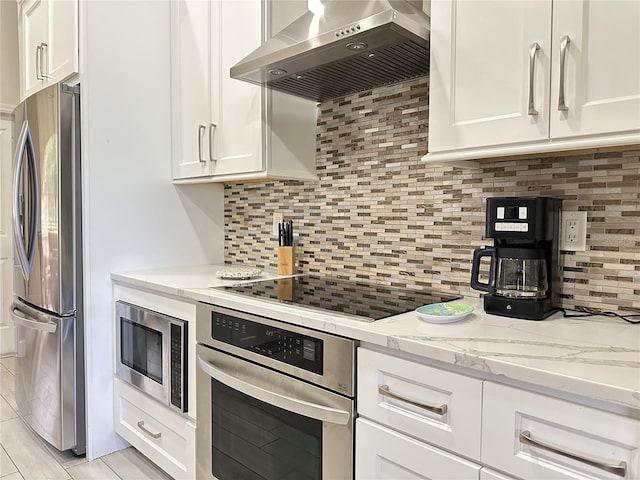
<point x="341" y="46"/>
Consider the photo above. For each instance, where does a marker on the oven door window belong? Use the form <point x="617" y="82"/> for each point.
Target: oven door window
<point x="252" y="439"/>
<point x="141" y="349"/>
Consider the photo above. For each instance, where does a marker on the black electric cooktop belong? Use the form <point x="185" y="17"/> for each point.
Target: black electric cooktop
<point x="367" y="301"/>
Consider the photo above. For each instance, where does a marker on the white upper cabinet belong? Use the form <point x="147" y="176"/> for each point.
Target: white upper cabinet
<point x="601" y="67"/>
<point x="192" y="74"/>
<point x="499" y="68"/>
<point x="480" y="73"/>
<point x="224" y="129"/>
<point x="48" y="37"/>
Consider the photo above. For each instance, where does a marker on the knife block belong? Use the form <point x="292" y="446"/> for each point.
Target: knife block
<point x="286" y="260"/>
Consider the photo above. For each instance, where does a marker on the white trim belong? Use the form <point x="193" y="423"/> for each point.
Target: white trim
<point x="549" y="146"/>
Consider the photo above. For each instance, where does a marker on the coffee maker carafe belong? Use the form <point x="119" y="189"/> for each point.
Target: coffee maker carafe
<point x="524" y="273"/>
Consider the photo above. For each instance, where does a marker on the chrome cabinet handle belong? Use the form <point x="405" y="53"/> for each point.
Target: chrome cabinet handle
<point x="20" y="318"/>
<point x="39" y="62"/>
<point x="147" y="431"/>
<point x="533" y="50"/>
<point x="307" y="409"/>
<point x="385" y="392"/>
<point x="212" y="129"/>
<point x="44" y="50"/>
<point x="564" y="46"/>
<point x="620" y="469"/>
<point x="201" y="129"/>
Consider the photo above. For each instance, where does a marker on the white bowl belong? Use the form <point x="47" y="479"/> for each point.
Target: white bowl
<point x="238" y="273"/>
<point x="444" y="312"/>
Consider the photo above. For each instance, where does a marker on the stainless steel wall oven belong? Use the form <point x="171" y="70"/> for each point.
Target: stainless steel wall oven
<point x="274" y="400"/>
<point x="152" y="353"/>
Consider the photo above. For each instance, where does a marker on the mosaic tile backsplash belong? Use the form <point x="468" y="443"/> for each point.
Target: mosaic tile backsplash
<point x="378" y="213"/>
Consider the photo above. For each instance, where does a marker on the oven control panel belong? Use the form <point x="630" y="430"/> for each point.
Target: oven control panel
<point x="295" y="349"/>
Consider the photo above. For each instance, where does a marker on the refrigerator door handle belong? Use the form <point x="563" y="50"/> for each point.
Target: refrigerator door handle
<point x="26" y="253"/>
<point x="20" y="318"/>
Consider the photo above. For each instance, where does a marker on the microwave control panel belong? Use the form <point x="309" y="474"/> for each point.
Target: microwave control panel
<point x="301" y="351"/>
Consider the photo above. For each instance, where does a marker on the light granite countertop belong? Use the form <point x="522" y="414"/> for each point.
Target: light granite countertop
<point x="595" y="357"/>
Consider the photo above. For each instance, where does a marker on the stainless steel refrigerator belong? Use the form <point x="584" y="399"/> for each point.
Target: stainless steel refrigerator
<point x="47" y="308"/>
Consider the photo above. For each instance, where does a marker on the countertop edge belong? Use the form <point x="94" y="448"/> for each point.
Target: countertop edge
<point x="446" y="351"/>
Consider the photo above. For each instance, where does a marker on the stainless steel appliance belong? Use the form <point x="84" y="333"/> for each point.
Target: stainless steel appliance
<point x="274" y="400"/>
<point x="336" y="47"/>
<point x="152" y="353"/>
<point x="359" y="300"/>
<point x="47" y="308"/>
<point x="524" y="273"/>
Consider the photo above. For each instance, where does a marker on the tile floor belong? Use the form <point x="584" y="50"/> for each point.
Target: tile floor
<point x="23" y="455"/>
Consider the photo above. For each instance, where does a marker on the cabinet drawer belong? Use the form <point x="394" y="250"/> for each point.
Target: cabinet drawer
<point x="396" y="393"/>
<point x="383" y="454"/>
<point x="488" y="474"/>
<point x="163" y="436"/>
<point x="587" y="436"/>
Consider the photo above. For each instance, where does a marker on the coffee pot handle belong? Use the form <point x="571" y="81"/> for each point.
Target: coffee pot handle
<point x="475" y="269"/>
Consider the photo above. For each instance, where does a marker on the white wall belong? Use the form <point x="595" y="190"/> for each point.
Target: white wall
<point x="9" y="73"/>
<point x="133" y="216"/>
<point x="9" y="97"/>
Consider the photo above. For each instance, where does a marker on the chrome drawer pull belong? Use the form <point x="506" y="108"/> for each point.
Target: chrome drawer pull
<point x="39" y="62"/>
<point x="201" y="130"/>
<point x="44" y="50"/>
<point x="533" y="50"/>
<point x="212" y="128"/>
<point x="385" y="392"/>
<point x="147" y="431"/>
<point x="564" y="45"/>
<point x="620" y="469"/>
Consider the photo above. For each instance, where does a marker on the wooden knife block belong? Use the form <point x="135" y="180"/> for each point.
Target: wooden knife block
<point x="286" y="260"/>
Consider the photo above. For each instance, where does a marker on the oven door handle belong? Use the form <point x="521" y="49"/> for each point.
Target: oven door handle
<point x="307" y="409"/>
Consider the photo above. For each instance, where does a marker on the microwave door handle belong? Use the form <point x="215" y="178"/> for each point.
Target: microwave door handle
<point x="25" y="253"/>
<point x="307" y="409"/>
<point x="22" y="319"/>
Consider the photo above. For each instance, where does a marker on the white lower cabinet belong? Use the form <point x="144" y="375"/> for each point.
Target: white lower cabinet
<point x="482" y="429"/>
<point x="165" y="437"/>
<point x="383" y="454"/>
<point x="488" y="474"/>
<point x="534" y="436"/>
<point x="415" y="421"/>
<point x="422" y="401"/>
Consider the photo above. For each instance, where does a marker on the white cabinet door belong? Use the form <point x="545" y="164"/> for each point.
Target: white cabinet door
<point x="48" y="43"/>
<point x="192" y="71"/>
<point x="602" y="67"/>
<point x="496" y="83"/>
<point x="383" y="454"/>
<point x="481" y="60"/>
<point x="33" y="33"/>
<point x="238" y="106"/>
<point x="61" y="52"/>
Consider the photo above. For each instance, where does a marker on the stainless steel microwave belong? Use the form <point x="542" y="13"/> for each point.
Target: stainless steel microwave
<point x="152" y="353"/>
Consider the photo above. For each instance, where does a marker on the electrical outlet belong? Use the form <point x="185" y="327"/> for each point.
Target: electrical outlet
<point x="574" y="231"/>
<point x="277" y="218"/>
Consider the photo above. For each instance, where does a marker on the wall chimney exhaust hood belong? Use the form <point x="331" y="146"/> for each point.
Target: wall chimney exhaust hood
<point x="340" y="47"/>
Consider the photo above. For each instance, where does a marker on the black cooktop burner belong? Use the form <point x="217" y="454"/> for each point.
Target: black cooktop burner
<point x="368" y="301"/>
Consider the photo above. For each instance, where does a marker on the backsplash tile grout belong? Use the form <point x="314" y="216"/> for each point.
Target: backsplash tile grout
<point x="379" y="213"/>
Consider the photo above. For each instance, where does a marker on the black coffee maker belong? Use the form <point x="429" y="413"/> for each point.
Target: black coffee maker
<point x="524" y="274"/>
